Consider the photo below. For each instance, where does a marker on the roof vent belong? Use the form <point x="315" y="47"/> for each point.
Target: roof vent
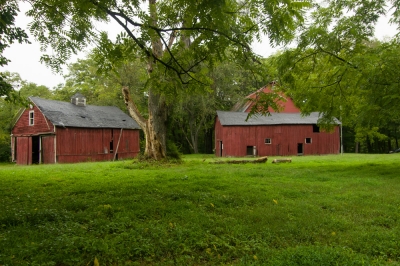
<point x="78" y="99"/>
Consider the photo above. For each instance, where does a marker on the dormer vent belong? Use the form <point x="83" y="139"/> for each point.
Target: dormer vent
<point x="78" y="99"/>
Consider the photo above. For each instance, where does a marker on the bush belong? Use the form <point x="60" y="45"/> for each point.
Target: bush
<point x="173" y="151"/>
<point x="5" y="150"/>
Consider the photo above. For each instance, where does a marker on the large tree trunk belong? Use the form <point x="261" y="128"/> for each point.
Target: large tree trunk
<point x="156" y="129"/>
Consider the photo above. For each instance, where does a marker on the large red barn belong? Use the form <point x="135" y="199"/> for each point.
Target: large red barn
<point x="62" y="132"/>
<point x="280" y="134"/>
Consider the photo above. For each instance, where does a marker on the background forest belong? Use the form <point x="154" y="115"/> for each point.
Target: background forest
<point x="330" y="63"/>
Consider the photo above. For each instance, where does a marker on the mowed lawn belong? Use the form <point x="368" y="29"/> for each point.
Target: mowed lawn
<point x="317" y="210"/>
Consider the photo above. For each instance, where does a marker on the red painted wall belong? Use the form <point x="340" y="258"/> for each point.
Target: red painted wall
<point x="48" y="151"/>
<point x="284" y="140"/>
<point x="86" y="144"/>
<point x="23" y="151"/>
<point x="41" y="124"/>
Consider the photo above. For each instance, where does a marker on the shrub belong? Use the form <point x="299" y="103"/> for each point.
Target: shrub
<point x="5" y="150"/>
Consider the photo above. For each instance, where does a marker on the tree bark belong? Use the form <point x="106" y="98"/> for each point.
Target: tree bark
<point x="156" y="128"/>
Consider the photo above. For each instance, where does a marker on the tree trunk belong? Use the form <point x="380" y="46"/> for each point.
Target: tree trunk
<point x="195" y="139"/>
<point x="156" y="129"/>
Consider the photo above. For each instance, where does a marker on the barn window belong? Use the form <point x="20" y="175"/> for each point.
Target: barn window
<point x="308" y="140"/>
<point x="315" y="128"/>
<point x="31" y="118"/>
<point x="268" y="141"/>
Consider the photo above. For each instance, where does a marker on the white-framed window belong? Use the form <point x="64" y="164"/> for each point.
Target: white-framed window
<point x="268" y="141"/>
<point x="308" y="141"/>
<point x="31" y="118"/>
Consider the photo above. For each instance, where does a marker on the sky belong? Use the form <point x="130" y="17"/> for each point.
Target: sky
<point x="25" y="58"/>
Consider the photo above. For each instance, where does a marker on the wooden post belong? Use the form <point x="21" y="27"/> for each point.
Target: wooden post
<point x="116" y="150"/>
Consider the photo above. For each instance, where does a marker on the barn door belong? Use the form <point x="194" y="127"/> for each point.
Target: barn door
<point x="221" y="147"/>
<point x="48" y="152"/>
<point x="22" y="153"/>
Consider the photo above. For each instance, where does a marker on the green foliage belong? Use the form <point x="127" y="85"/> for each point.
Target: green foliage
<point x="338" y="69"/>
<point x="8" y="35"/>
<point x="191" y="34"/>
<point x="5" y="148"/>
<point x="104" y="89"/>
<point x="173" y="151"/>
<point x="317" y="210"/>
<point x="211" y="27"/>
<point x="180" y="42"/>
<point x="31" y="89"/>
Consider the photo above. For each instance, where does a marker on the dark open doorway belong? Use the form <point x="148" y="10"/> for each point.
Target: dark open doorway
<point x="35" y="150"/>
<point x="221" y="147"/>
<point x="299" y="148"/>
<point x="251" y="150"/>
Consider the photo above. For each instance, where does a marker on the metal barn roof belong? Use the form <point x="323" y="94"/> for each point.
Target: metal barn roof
<point x="239" y="119"/>
<point x="69" y="115"/>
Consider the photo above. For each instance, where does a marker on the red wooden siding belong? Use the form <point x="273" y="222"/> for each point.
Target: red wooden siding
<point x="86" y="144"/>
<point x="41" y="124"/>
<point x="284" y="140"/>
<point x="43" y="143"/>
<point x="48" y="150"/>
<point x="23" y="150"/>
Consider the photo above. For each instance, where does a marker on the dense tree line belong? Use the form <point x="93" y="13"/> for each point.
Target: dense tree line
<point x="340" y="70"/>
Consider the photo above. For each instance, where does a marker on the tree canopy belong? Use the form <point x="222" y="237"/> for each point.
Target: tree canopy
<point x="180" y="41"/>
<point x="340" y="70"/>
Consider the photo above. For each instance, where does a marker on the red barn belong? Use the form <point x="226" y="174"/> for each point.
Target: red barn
<point x="280" y="134"/>
<point x="62" y="132"/>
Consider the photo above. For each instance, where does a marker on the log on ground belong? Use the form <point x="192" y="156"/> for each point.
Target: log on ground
<point x="285" y="160"/>
<point x="259" y="160"/>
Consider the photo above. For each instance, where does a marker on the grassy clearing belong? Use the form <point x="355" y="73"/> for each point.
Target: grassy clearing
<point x="319" y="210"/>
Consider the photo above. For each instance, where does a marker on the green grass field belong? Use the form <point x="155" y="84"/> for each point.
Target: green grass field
<point x="317" y="210"/>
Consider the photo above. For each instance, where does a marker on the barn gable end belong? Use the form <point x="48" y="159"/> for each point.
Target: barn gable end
<point x="286" y="103"/>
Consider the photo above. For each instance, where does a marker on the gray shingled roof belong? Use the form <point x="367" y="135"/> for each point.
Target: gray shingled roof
<point x="239" y="119"/>
<point x="69" y="115"/>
